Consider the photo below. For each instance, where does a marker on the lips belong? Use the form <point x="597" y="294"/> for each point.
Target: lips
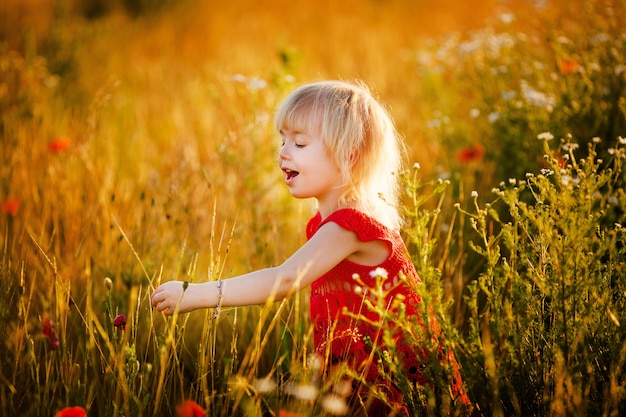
<point x="290" y="174"/>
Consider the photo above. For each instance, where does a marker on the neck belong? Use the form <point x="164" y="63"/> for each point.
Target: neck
<point x="327" y="208"/>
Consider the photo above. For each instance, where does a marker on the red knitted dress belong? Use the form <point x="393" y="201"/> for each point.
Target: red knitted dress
<point x="340" y="338"/>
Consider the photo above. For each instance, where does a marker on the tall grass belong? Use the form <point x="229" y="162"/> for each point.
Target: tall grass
<point x="137" y="147"/>
<point x="545" y="329"/>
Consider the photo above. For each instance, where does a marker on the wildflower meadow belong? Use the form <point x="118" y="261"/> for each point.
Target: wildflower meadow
<point x="137" y="147"/>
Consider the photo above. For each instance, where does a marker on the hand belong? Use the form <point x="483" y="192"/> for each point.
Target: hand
<point x="170" y="295"/>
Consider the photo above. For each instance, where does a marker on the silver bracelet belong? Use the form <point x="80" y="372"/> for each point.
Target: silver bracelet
<point x="220" y="297"/>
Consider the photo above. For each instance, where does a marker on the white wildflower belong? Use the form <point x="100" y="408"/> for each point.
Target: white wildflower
<point x="264" y="385"/>
<point x="239" y="78"/>
<point x="569" y="180"/>
<point x="434" y="123"/>
<point x="545" y="136"/>
<point x="537" y="98"/>
<point x="507" y="18"/>
<point x="315" y="362"/>
<point x="493" y="116"/>
<point x="474" y="113"/>
<point x="304" y="392"/>
<point x="563" y="40"/>
<point x="256" y="84"/>
<point x="379" y="272"/>
<point x="567" y="147"/>
<point x="474" y="194"/>
<point x="335" y="405"/>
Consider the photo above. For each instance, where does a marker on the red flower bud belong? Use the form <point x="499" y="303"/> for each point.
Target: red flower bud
<point x="11" y="205"/>
<point x="120" y="321"/>
<point x="47" y="328"/>
<point x="189" y="409"/>
<point x="59" y="145"/>
<point x="72" y="412"/>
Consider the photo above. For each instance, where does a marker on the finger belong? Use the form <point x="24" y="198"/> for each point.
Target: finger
<point x="157" y="291"/>
<point x="157" y="295"/>
<point x="160" y="306"/>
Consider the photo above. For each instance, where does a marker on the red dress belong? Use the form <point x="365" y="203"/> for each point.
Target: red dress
<point x="342" y="338"/>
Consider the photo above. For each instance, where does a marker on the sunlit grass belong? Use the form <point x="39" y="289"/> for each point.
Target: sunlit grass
<point x="138" y="149"/>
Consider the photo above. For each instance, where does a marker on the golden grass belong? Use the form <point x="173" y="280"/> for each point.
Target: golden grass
<point x="171" y="173"/>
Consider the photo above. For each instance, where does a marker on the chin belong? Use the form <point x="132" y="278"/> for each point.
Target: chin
<point x="296" y="194"/>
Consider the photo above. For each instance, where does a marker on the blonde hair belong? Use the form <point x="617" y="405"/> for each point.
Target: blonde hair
<point x="360" y="138"/>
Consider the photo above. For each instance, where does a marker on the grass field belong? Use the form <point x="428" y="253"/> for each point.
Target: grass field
<point x="137" y="147"/>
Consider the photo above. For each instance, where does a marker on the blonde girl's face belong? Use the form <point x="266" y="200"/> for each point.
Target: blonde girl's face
<point x="309" y="170"/>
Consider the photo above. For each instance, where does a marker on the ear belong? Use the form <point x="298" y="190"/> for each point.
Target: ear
<point x="354" y="156"/>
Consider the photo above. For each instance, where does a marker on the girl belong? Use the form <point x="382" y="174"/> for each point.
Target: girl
<point x="340" y="147"/>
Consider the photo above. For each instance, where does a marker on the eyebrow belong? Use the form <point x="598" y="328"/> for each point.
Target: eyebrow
<point x="295" y="131"/>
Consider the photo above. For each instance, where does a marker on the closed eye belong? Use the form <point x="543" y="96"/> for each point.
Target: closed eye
<point x="297" y="145"/>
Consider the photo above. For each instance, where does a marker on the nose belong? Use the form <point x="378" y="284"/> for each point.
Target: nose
<point x="283" y="153"/>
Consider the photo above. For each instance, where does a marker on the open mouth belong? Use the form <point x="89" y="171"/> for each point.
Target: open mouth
<point x="290" y="174"/>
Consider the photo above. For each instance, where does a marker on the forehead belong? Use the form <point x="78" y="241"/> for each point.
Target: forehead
<point x="301" y="111"/>
<point x="299" y="120"/>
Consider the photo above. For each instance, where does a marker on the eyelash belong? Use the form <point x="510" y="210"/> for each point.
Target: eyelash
<point x="297" y="145"/>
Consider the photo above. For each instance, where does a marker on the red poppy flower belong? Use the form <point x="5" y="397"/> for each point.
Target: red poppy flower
<point x="120" y="321"/>
<point x="284" y="413"/>
<point x="72" y="412"/>
<point x="567" y="66"/>
<point x="59" y="144"/>
<point x="47" y="328"/>
<point x="189" y="409"/>
<point x="472" y="154"/>
<point x="11" y="205"/>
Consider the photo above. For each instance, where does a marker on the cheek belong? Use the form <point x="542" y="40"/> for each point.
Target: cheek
<point x="331" y="166"/>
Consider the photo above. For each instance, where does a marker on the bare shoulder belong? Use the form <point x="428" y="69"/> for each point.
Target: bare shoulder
<point x="371" y="253"/>
<point x="334" y="234"/>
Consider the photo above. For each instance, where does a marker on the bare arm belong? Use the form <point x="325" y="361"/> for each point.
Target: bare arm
<point x="329" y="246"/>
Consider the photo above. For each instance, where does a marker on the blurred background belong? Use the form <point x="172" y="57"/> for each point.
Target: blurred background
<point x="136" y="144"/>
